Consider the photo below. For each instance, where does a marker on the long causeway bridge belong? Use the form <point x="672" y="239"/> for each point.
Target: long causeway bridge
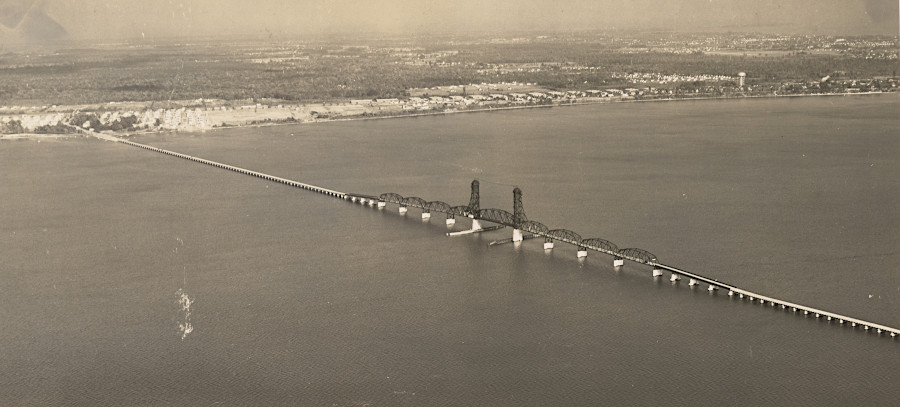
<point x="523" y="229"/>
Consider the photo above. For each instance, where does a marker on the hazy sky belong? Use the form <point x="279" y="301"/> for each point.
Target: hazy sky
<point x="121" y="19"/>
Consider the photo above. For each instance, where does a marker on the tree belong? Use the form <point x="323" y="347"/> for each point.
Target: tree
<point x="12" y="127"/>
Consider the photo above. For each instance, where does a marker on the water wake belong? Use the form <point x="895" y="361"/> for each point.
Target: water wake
<point x="185" y="301"/>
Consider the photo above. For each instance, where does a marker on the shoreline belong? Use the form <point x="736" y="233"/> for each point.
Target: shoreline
<point x="291" y="120"/>
<point x="492" y="109"/>
<point x="37" y="136"/>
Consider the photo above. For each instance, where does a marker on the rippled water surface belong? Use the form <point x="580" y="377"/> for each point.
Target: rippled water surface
<point x="292" y="298"/>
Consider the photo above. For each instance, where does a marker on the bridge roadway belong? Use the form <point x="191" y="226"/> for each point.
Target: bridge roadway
<point x="371" y="200"/>
<point x="310" y="187"/>
<point x="774" y="301"/>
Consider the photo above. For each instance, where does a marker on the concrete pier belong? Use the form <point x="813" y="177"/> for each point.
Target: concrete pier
<point x="548" y="245"/>
<point x="517" y="235"/>
<point x="582" y="253"/>
<point x="381" y="204"/>
<point x="451" y="221"/>
<point x="402" y="209"/>
<point x="426" y="215"/>
<point x="618" y="262"/>
<point x="692" y="282"/>
<point x="657" y="272"/>
<point x="674" y="278"/>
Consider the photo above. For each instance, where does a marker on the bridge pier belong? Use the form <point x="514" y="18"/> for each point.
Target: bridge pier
<point x="618" y="262"/>
<point x="402" y="209"/>
<point x="548" y="243"/>
<point x="674" y="278"/>
<point x="712" y="288"/>
<point x="451" y="221"/>
<point x="692" y="282"/>
<point x="381" y="204"/>
<point x="517" y="235"/>
<point x="582" y="252"/>
<point x="426" y="215"/>
<point x="476" y="224"/>
<point x="657" y="272"/>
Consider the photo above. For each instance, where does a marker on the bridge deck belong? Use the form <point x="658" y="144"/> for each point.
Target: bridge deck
<point x="268" y="177"/>
<point x="776" y="301"/>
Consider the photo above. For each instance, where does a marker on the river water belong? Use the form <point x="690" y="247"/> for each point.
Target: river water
<point x="294" y="298"/>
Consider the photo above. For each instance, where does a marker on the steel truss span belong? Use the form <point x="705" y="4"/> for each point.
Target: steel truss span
<point x="638" y="255"/>
<point x="498" y="216"/>
<point x="438" y="206"/>
<point x="415" y="202"/>
<point x="599" y="244"/>
<point x="534" y="227"/>
<point x="391" y="197"/>
<point x="564" y="235"/>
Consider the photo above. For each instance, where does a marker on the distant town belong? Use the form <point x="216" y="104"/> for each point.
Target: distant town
<point x="140" y="87"/>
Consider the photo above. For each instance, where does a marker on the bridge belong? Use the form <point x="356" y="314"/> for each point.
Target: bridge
<point x="520" y="223"/>
<point x="524" y="229"/>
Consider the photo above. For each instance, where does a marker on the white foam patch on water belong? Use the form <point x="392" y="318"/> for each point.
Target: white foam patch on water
<point x="185" y="301"/>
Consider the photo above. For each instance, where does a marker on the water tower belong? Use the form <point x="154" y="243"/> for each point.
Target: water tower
<point x="741" y="76"/>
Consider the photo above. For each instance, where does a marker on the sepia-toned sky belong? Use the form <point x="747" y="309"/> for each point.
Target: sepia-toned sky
<point x="125" y="19"/>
